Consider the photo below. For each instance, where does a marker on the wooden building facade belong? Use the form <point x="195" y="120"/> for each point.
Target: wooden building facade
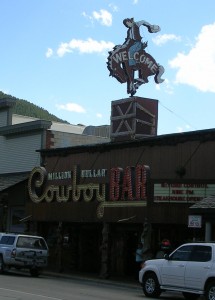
<point x="106" y="198"/>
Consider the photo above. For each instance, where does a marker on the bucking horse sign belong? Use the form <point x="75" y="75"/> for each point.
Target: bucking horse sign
<point x="131" y="56"/>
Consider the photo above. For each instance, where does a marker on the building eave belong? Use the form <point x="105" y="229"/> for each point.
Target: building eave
<point x="25" y="127"/>
<point x="6" y="102"/>
<point x="167" y="139"/>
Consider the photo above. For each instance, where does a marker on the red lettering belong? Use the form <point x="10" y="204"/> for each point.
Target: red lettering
<point x="127" y="184"/>
<point x="140" y="182"/>
<point x="189" y="192"/>
<point x="115" y="178"/>
<point x="122" y="185"/>
<point x="177" y="192"/>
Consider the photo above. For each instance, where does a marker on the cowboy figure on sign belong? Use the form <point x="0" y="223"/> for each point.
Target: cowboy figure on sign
<point x="133" y="34"/>
<point x="129" y="57"/>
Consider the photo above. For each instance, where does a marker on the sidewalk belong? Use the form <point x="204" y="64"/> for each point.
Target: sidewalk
<point x="116" y="281"/>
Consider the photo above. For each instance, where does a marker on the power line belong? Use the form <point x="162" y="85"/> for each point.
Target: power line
<point x="178" y="116"/>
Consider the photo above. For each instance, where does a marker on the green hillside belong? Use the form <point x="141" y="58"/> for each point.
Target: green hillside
<point x="26" y="108"/>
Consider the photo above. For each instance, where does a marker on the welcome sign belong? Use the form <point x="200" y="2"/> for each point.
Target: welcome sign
<point x="130" y="63"/>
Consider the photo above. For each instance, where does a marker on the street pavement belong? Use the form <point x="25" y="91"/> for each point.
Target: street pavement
<point x="123" y="282"/>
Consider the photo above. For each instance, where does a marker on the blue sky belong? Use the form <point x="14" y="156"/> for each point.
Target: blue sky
<point x="53" y="53"/>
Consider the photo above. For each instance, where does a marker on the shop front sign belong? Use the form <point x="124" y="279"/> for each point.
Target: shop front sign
<point x="182" y="192"/>
<point x="110" y="188"/>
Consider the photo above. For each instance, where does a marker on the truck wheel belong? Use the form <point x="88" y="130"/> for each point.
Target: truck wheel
<point x="151" y="287"/>
<point x="210" y="291"/>
<point x="34" y="272"/>
<point x="1" y="265"/>
<point x="190" y="296"/>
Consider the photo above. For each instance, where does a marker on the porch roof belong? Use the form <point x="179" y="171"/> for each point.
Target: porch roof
<point x="8" y="180"/>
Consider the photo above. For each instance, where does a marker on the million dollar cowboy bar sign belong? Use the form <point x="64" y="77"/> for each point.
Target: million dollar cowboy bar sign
<point x="116" y="187"/>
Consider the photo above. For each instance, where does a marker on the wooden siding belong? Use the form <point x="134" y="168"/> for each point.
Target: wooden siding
<point x="3" y="118"/>
<point x="18" y="153"/>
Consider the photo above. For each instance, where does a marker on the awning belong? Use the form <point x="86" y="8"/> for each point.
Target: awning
<point x="8" y="180"/>
<point x="206" y="205"/>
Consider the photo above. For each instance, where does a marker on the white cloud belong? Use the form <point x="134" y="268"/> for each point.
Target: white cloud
<point x="103" y="16"/>
<point x="164" y="38"/>
<point x="63" y="49"/>
<point x="49" y="52"/>
<point x="135" y="1"/>
<point x="5" y="91"/>
<point x="113" y="7"/>
<point x="166" y="86"/>
<point x="99" y="115"/>
<point x="74" y="107"/>
<point x="182" y="129"/>
<point x="197" y="68"/>
<point x="84" y="14"/>
<point x="87" y="46"/>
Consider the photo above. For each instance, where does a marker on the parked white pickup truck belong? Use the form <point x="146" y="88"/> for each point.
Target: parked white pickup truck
<point x="23" y="252"/>
<point x="189" y="269"/>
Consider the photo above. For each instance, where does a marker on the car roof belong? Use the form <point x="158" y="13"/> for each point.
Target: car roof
<point x="19" y="234"/>
<point x="199" y="243"/>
